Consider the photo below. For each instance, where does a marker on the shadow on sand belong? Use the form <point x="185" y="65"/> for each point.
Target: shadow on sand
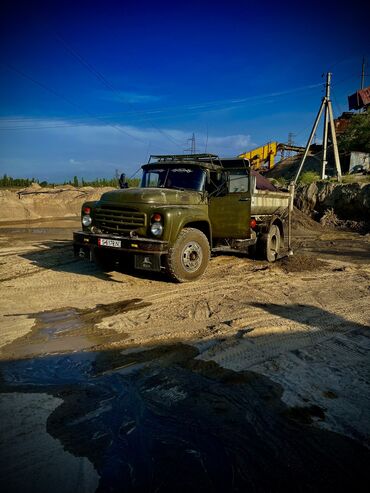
<point x="59" y="256"/>
<point x="162" y="420"/>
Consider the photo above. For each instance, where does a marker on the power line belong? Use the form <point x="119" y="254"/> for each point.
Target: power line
<point x="69" y="101"/>
<point x="42" y="127"/>
<point x="346" y="79"/>
<point x="106" y="82"/>
<point x="188" y="107"/>
<point x="338" y="106"/>
<point x="81" y="120"/>
<point x="206" y="146"/>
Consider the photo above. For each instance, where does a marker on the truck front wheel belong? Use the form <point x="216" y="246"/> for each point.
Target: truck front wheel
<point x="189" y="256"/>
<point x="269" y="244"/>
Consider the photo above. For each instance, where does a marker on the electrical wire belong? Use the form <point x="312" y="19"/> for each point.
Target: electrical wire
<point x="190" y="108"/>
<point x="106" y="82"/>
<point x="338" y="106"/>
<point x="69" y="101"/>
<point x="206" y="146"/>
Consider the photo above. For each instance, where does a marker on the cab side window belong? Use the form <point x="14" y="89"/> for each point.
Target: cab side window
<point x="238" y="181"/>
<point x="217" y="185"/>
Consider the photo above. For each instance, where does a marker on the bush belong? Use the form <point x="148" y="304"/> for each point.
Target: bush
<point x="279" y="182"/>
<point x="356" y="135"/>
<point x="309" y="177"/>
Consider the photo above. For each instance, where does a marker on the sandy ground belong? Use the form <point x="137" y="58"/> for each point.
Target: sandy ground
<point x="302" y="323"/>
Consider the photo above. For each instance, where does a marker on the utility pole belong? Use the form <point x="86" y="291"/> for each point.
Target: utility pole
<point x="328" y="120"/>
<point x="326" y="127"/>
<point x="290" y="142"/>
<point x="193" y="144"/>
<point x="192" y="149"/>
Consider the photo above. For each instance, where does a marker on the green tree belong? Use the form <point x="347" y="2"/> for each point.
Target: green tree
<point x="75" y="181"/>
<point x="356" y="137"/>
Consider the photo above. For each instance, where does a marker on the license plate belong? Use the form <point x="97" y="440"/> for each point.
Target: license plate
<point x="109" y="243"/>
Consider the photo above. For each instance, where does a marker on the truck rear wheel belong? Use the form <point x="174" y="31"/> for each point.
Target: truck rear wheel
<point x="270" y="243"/>
<point x="189" y="256"/>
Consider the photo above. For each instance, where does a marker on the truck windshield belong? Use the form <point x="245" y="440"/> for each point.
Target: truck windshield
<point x="177" y="178"/>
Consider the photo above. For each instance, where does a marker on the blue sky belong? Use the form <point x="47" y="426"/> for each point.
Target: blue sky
<point x="91" y="87"/>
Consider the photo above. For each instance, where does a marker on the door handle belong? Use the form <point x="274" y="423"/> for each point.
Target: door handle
<point x="247" y="199"/>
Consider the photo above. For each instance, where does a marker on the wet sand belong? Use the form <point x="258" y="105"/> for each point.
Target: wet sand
<point x="254" y="378"/>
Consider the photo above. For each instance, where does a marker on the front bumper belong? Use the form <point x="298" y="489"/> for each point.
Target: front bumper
<point x="128" y="245"/>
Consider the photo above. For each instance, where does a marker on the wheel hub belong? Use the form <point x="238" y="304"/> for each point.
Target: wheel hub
<point x="192" y="256"/>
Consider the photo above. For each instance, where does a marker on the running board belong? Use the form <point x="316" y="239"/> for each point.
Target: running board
<point x="243" y="248"/>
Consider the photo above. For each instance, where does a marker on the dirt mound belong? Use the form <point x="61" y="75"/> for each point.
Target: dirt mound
<point x="36" y="202"/>
<point x="34" y="186"/>
<point x="300" y="263"/>
<point x="87" y="189"/>
<point x="287" y="168"/>
<point x="348" y="201"/>
<point x="302" y="222"/>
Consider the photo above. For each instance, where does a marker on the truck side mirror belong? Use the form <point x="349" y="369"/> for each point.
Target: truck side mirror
<point x="122" y="181"/>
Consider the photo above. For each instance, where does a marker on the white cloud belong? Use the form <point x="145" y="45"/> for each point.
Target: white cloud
<point x="130" y="97"/>
<point x="45" y="147"/>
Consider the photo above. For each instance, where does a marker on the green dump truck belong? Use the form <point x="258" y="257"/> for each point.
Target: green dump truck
<point x="187" y="207"/>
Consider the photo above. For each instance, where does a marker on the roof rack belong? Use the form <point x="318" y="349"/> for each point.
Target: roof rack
<point x="183" y="157"/>
<point x="211" y="161"/>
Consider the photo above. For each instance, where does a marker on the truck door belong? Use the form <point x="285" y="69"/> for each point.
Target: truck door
<point x="230" y="210"/>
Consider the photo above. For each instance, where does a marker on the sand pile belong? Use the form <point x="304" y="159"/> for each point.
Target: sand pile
<point x="301" y="223"/>
<point x="35" y="202"/>
<point x="300" y="263"/>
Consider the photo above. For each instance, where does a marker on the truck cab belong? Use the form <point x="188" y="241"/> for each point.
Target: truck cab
<point x="186" y="207"/>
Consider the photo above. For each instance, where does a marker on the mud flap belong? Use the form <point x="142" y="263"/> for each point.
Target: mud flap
<point x="148" y="262"/>
<point x="82" y="252"/>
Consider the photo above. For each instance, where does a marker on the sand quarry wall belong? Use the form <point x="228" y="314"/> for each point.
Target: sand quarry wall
<point x="35" y="202"/>
<point x="349" y="201"/>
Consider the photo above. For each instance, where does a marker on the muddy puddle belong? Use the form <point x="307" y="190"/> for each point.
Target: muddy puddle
<point x="162" y="420"/>
<point x="69" y="330"/>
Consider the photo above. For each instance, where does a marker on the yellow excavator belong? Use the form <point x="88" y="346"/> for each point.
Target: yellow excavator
<point x="262" y="158"/>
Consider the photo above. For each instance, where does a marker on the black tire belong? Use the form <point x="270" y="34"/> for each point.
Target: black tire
<point x="189" y="256"/>
<point x="252" y="251"/>
<point x="269" y="244"/>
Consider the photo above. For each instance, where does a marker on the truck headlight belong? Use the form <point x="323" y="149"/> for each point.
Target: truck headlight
<point x="156" y="229"/>
<point x="86" y="220"/>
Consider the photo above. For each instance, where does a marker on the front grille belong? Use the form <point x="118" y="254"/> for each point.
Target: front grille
<point x="115" y="219"/>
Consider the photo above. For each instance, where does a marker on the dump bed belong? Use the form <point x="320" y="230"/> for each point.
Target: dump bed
<point x="266" y="198"/>
<point x="265" y="202"/>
